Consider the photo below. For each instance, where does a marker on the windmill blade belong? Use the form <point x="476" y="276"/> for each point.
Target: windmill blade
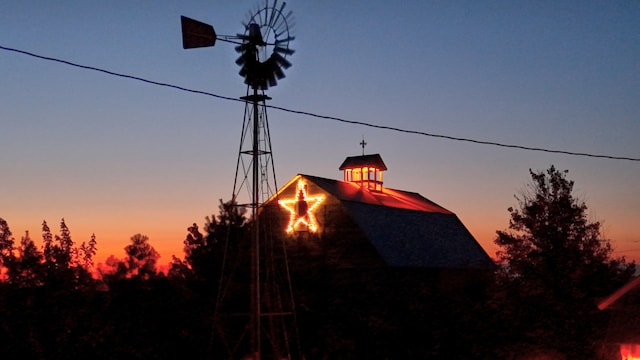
<point x="271" y="79"/>
<point x="241" y="48"/>
<point x="241" y="60"/>
<point x="273" y="14"/>
<point x="281" y="41"/>
<point x="284" y="51"/>
<point x="280" y="60"/>
<point x="272" y="65"/>
<point x="291" y="21"/>
<point x="277" y="71"/>
<point x="289" y="17"/>
<point x="245" y="56"/>
<point x="266" y="12"/>
<point x="243" y="71"/>
<point x="196" y="34"/>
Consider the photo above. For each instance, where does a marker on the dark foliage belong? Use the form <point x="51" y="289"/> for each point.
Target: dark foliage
<point x="556" y="265"/>
<point x="349" y="304"/>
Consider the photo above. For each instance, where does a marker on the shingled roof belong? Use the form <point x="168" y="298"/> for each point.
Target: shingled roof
<point x="406" y="229"/>
<point x="364" y="160"/>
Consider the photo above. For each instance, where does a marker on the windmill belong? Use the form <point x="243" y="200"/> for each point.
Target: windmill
<point x="263" y="50"/>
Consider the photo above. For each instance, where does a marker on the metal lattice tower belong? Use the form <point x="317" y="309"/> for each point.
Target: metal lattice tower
<point x="254" y="155"/>
<point x="271" y="309"/>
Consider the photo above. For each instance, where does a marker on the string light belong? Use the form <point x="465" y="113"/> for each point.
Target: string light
<point x="301" y="208"/>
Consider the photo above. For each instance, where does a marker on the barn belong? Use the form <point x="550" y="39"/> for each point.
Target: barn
<point x="378" y="272"/>
<point x="391" y="227"/>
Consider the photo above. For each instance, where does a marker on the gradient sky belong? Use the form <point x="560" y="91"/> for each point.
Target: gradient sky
<point x="116" y="157"/>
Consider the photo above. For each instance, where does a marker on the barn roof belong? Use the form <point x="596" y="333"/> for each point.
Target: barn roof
<point x="348" y="191"/>
<point x="407" y="229"/>
<point x="419" y="239"/>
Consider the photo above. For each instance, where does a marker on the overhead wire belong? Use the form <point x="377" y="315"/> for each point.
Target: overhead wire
<point x="448" y="137"/>
<point x="326" y="117"/>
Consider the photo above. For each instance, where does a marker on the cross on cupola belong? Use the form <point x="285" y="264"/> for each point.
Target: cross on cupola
<point x="363" y="144"/>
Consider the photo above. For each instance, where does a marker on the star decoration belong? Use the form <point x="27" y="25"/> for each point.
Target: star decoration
<point x="301" y="209"/>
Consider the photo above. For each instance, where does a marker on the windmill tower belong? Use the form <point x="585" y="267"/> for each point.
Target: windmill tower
<point x="263" y="47"/>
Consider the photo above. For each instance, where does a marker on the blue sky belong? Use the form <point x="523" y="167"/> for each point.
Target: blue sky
<point x="118" y="157"/>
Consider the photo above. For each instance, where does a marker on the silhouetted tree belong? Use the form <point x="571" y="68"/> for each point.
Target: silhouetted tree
<point x="179" y="269"/>
<point x="194" y="240"/>
<point x="203" y="253"/>
<point x="60" y="261"/>
<point x="28" y="268"/>
<point x="114" y="269"/>
<point x="139" y="263"/>
<point x="57" y="264"/>
<point x="6" y="245"/>
<point x="44" y="304"/>
<point x="87" y="251"/>
<point x="556" y="262"/>
<point x="47" y="242"/>
<point x="231" y="214"/>
<point x="64" y="253"/>
<point x="141" y="257"/>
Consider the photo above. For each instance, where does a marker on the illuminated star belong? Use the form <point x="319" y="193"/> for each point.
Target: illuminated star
<point x="301" y="209"/>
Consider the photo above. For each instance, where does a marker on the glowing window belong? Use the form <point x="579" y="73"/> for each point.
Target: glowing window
<point x="347" y="175"/>
<point x="356" y="175"/>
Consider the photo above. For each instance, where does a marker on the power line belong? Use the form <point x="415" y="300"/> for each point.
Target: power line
<point x="333" y="118"/>
<point x="448" y="137"/>
<point x="117" y="74"/>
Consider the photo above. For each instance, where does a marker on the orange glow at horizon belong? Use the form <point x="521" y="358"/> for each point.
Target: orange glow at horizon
<point x="301" y="209"/>
<point x="167" y="231"/>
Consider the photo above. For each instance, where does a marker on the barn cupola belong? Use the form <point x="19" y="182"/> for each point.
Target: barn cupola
<point x="365" y="170"/>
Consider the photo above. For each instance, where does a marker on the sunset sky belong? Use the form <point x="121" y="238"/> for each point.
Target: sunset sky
<point x="116" y="157"/>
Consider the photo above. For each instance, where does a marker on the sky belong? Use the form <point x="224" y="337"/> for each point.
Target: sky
<point x="117" y="157"/>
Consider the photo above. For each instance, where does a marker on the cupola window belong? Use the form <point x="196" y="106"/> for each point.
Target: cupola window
<point x="365" y="170"/>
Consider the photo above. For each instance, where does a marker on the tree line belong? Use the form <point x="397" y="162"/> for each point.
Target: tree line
<point x="553" y="267"/>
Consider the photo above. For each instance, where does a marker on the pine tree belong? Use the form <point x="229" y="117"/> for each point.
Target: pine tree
<point x="87" y="251"/>
<point x="141" y="257"/>
<point x="47" y="241"/>
<point x="66" y="254"/>
<point x="93" y="245"/>
<point x="28" y="269"/>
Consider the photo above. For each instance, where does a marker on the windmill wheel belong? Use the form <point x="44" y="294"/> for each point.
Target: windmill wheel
<point x="265" y="46"/>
